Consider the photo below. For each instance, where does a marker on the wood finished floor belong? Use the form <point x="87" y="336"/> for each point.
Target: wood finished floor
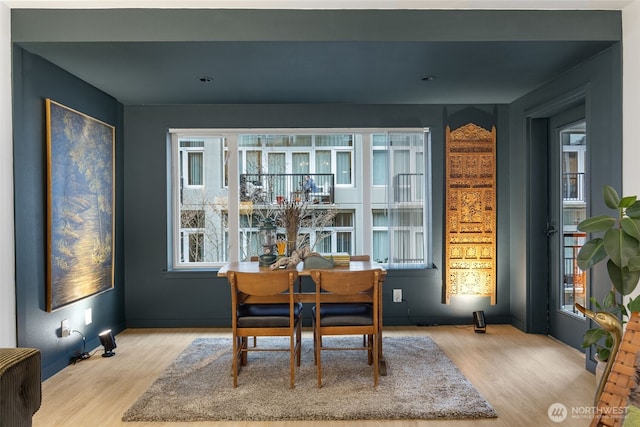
<point x="521" y="375"/>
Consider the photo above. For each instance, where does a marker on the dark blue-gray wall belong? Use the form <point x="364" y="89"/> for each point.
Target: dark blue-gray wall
<point x="156" y="297"/>
<point x="35" y="80"/>
<point x="598" y="85"/>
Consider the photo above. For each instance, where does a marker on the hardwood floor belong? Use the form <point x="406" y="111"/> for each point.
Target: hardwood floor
<point x="521" y="375"/>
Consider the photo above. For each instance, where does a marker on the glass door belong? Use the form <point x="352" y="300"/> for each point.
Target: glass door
<point x="574" y="207"/>
<point x="567" y="207"/>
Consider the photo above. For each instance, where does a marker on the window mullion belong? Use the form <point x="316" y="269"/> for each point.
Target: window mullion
<point x="233" y="198"/>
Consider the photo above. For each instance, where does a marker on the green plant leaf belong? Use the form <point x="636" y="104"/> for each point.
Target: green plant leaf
<point x="623" y="311"/>
<point x="633" y="211"/>
<point x="627" y="201"/>
<point x="634" y="263"/>
<point x="592" y="336"/>
<point x="608" y="340"/>
<point x="610" y="196"/>
<point x="597" y="223"/>
<point x="608" y="302"/>
<point x="634" y="304"/>
<point x="624" y="280"/>
<point x="591" y="253"/>
<point x="595" y="303"/>
<point x="620" y="246"/>
<point x="631" y="226"/>
<point x="603" y="353"/>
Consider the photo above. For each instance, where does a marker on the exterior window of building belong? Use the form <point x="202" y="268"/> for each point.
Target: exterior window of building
<point x="380" y="159"/>
<point x="192" y="162"/>
<point x="192" y="236"/>
<point x="248" y="174"/>
<point x="380" y="249"/>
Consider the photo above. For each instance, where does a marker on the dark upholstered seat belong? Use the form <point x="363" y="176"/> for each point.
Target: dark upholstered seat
<point x="345" y="314"/>
<point x="272" y="315"/>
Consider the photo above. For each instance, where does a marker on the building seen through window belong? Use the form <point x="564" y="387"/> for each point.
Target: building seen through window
<point x="225" y="183"/>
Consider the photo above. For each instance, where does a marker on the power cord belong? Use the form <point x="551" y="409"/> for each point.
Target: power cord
<point x="416" y="323"/>
<point x="84" y="355"/>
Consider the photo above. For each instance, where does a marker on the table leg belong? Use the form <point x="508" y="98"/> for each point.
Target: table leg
<point x="382" y="363"/>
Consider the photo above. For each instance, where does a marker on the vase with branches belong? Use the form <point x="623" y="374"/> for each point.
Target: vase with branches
<point x="295" y="214"/>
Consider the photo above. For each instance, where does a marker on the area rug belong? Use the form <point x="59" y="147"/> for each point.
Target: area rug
<point x="421" y="383"/>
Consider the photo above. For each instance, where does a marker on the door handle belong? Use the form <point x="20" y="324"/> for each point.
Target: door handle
<point x="551" y="230"/>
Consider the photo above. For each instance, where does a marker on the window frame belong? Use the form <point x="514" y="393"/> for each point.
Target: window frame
<point x="353" y="197"/>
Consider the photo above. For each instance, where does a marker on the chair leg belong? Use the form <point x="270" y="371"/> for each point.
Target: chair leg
<point x="299" y="342"/>
<point x="292" y="360"/>
<point x="315" y="347"/>
<point x="376" y="359"/>
<point x="234" y="362"/>
<point x="318" y="353"/>
<point x="243" y="350"/>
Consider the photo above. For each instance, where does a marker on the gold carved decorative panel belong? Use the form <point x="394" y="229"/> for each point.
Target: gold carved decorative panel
<point x="470" y="209"/>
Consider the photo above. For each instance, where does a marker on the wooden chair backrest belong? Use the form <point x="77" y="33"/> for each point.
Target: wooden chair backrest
<point x="262" y="284"/>
<point x="346" y="282"/>
<point x="360" y="258"/>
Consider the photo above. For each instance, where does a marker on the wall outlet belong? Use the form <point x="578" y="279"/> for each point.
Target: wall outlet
<point x="88" y="317"/>
<point x="397" y="295"/>
<point x="65" y="330"/>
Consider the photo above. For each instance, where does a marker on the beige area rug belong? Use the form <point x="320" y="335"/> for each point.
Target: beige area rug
<point x="421" y="383"/>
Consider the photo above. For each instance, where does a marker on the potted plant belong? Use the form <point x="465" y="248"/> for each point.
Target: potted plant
<point x="619" y="245"/>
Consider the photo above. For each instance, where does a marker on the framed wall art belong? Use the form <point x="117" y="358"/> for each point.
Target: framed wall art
<point x="470" y="206"/>
<point x="80" y="205"/>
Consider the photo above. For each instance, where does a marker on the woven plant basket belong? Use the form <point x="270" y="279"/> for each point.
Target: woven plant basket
<point x="621" y="380"/>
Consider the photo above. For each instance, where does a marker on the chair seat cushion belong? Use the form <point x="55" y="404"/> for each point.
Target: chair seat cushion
<point x="266" y="315"/>
<point x="347" y="314"/>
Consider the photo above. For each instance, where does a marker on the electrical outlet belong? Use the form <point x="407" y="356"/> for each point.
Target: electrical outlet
<point x="87" y="316"/>
<point x="397" y="295"/>
<point x="65" y="330"/>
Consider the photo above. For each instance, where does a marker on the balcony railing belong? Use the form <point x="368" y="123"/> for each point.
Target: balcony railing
<point x="276" y="188"/>
<point x="573" y="187"/>
<point x="408" y="187"/>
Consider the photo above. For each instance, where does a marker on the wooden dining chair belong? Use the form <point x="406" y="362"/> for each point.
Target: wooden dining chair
<point x="365" y="258"/>
<point x="263" y="306"/>
<point x="347" y="303"/>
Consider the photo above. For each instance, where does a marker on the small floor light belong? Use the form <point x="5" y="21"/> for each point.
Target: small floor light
<point x="480" y="325"/>
<point x="109" y="342"/>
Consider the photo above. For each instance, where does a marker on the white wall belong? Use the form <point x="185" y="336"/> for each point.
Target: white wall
<point x="7" y="253"/>
<point x="631" y="98"/>
<point x="630" y="102"/>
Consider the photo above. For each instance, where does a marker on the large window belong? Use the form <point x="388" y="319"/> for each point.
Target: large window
<point x="224" y="183"/>
<point x="399" y="165"/>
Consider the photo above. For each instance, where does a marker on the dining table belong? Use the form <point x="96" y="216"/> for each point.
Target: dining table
<point x="310" y="297"/>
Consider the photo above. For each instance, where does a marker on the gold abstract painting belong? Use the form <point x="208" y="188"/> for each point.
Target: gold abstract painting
<point x="80" y="205"/>
<point x="470" y="212"/>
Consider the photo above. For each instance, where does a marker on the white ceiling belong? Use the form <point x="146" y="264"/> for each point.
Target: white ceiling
<point x="327" y="4"/>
